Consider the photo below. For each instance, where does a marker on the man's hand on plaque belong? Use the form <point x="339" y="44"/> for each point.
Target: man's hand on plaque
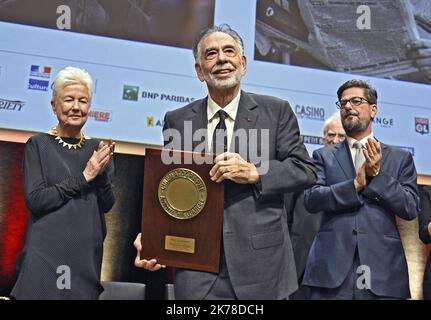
<point x="151" y="264"/>
<point x="231" y="166"/>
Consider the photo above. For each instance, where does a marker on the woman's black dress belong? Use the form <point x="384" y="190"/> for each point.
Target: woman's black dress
<point x="63" y="250"/>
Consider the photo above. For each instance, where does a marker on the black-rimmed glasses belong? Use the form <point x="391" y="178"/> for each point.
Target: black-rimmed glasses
<point x="354" y="102"/>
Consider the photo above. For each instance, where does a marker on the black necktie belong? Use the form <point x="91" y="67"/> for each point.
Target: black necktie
<point x="219" y="144"/>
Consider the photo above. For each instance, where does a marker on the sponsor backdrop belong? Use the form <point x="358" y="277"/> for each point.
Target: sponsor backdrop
<point x="137" y="82"/>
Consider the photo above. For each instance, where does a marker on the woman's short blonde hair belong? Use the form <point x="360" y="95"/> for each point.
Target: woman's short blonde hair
<point x="69" y="76"/>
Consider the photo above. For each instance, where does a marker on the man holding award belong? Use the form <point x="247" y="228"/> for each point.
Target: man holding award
<point x="260" y="156"/>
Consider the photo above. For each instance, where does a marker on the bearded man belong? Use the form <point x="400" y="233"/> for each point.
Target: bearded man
<point x="260" y="157"/>
<point x="362" y="185"/>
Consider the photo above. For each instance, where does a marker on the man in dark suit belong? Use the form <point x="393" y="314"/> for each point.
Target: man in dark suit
<point x="425" y="235"/>
<point x="256" y="257"/>
<point x="362" y="184"/>
<point x="304" y="225"/>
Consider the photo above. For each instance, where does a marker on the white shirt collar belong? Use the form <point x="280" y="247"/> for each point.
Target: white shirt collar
<point x="351" y="141"/>
<point x="231" y="109"/>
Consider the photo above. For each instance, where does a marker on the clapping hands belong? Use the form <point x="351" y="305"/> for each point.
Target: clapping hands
<point x="99" y="160"/>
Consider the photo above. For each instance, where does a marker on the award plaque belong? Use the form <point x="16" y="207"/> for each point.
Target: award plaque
<point x="182" y="210"/>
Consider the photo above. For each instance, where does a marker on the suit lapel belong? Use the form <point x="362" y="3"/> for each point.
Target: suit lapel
<point x="199" y="120"/>
<point x="246" y="116"/>
<point x="344" y="158"/>
<point x="384" y="149"/>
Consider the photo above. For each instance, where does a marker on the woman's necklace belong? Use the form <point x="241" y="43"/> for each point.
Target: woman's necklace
<point x="75" y="146"/>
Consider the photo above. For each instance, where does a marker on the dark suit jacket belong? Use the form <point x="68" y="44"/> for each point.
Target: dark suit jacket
<point x="365" y="220"/>
<point x="424" y="220"/>
<point x="255" y="236"/>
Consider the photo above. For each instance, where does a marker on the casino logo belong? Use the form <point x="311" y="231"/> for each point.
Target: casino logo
<point x="310" y="113"/>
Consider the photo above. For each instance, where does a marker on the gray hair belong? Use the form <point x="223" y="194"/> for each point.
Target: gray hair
<point x="335" y="117"/>
<point x="224" y="28"/>
<point x="69" y="76"/>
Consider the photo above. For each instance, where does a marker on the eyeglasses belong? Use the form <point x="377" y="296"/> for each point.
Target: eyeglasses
<point x="354" y="102"/>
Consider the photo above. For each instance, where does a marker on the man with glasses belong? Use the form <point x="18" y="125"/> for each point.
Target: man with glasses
<point x="362" y="184"/>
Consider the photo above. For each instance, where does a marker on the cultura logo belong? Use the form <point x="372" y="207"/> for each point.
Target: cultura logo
<point x="42" y="75"/>
<point x="422" y="125"/>
<point x="130" y="93"/>
<point x="35" y="84"/>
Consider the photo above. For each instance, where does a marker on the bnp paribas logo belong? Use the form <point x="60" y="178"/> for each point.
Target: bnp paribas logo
<point x="130" y="93"/>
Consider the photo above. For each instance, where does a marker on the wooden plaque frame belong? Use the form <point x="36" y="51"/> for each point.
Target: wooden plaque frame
<point x="160" y="230"/>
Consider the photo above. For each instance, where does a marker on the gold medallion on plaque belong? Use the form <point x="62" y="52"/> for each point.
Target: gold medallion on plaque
<point x="182" y="193"/>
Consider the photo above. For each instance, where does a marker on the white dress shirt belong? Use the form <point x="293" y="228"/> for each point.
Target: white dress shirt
<point x="351" y="141"/>
<point x="213" y="118"/>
